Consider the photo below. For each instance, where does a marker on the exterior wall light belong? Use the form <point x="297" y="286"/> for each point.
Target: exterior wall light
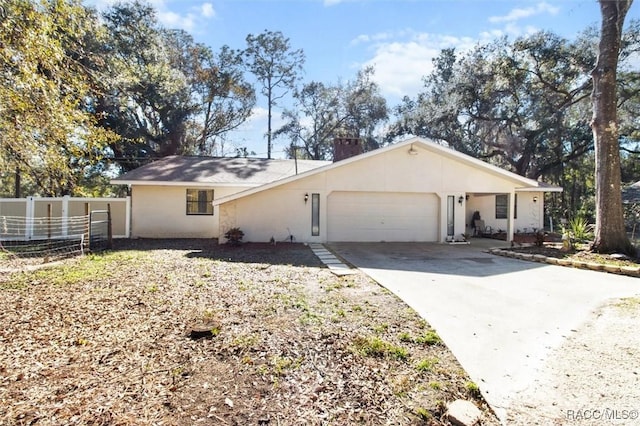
<point x="306" y="198"/>
<point x="535" y="199"/>
<point x="460" y="199"/>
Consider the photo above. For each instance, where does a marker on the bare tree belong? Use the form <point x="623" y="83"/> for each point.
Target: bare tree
<point x="610" y="233"/>
<point x="275" y="65"/>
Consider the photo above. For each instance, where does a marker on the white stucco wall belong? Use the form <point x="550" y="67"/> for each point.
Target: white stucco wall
<point x="281" y="211"/>
<point x="160" y="212"/>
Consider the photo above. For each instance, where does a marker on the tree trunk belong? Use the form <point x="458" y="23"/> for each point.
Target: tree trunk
<point x="610" y="234"/>
<point x="270" y="106"/>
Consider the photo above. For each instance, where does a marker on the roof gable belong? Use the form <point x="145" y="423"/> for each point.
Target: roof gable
<point x="182" y="170"/>
<point x="521" y="182"/>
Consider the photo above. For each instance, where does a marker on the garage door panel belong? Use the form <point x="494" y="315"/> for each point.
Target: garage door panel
<point x="382" y="216"/>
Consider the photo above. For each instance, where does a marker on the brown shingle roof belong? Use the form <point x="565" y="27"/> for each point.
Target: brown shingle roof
<point x="216" y="170"/>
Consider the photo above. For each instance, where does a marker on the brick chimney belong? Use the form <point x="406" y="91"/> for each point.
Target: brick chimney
<point x="344" y="148"/>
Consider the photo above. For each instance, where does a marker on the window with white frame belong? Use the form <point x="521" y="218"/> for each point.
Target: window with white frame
<point x="502" y="206"/>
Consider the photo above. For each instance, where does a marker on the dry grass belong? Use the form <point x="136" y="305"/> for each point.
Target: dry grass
<point x="105" y="340"/>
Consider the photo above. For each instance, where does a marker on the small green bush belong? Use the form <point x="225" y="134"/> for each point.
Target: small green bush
<point x="580" y="230"/>
<point x="234" y="236"/>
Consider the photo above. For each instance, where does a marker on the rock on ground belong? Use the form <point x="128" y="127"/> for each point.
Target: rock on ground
<point x="463" y="413"/>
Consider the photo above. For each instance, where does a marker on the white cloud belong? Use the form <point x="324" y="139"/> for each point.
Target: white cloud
<point x="401" y="64"/>
<point x="207" y="10"/>
<point x="512" y="30"/>
<point x="521" y="13"/>
<point x="511" y="20"/>
<point x="175" y="20"/>
<point x="378" y="37"/>
<point x="187" y="20"/>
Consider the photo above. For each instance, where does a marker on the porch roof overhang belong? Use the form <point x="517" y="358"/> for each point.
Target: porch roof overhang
<point x="543" y="188"/>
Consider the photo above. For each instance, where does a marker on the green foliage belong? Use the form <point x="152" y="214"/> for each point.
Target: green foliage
<point x="429" y="338"/>
<point x="473" y="390"/>
<point x="424" y="414"/>
<point x="49" y="136"/>
<point x="80" y="95"/>
<point x="578" y="231"/>
<point x="86" y="269"/>
<point x="525" y="105"/>
<point x="405" y="337"/>
<point x="427" y="364"/>
<point x="435" y="385"/>
<point x="380" y="328"/>
<point x="281" y="365"/>
<point x="376" y="347"/>
<point x="324" y="111"/>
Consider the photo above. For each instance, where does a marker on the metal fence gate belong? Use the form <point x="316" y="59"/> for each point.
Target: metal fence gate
<point x="100" y="230"/>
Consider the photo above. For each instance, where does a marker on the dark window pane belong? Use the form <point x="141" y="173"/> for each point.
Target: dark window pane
<point x="315" y="214"/>
<point x="199" y="201"/>
<point x="501" y="206"/>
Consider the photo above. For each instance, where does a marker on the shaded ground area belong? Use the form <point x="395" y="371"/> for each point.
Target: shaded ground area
<point x="105" y="339"/>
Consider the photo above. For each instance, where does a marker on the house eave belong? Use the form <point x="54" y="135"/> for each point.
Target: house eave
<point x="183" y="184"/>
<point x="541" y="189"/>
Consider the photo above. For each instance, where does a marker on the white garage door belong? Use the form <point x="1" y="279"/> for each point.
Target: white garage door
<point x="382" y="216"/>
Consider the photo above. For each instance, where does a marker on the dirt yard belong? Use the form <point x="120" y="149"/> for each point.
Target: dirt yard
<point x="187" y="332"/>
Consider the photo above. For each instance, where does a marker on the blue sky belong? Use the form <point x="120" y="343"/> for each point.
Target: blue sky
<point x="339" y="37"/>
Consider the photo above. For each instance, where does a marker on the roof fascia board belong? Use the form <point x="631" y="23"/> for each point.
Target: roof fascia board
<point x="189" y="184"/>
<point x="541" y="189"/>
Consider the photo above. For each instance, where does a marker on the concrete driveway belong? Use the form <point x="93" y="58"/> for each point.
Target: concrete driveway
<point x="501" y="317"/>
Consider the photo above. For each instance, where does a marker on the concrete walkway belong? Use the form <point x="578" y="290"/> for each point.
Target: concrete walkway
<point x="500" y="317"/>
<point x="334" y="264"/>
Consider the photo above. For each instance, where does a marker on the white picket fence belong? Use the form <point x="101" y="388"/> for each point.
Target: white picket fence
<point x="38" y="213"/>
